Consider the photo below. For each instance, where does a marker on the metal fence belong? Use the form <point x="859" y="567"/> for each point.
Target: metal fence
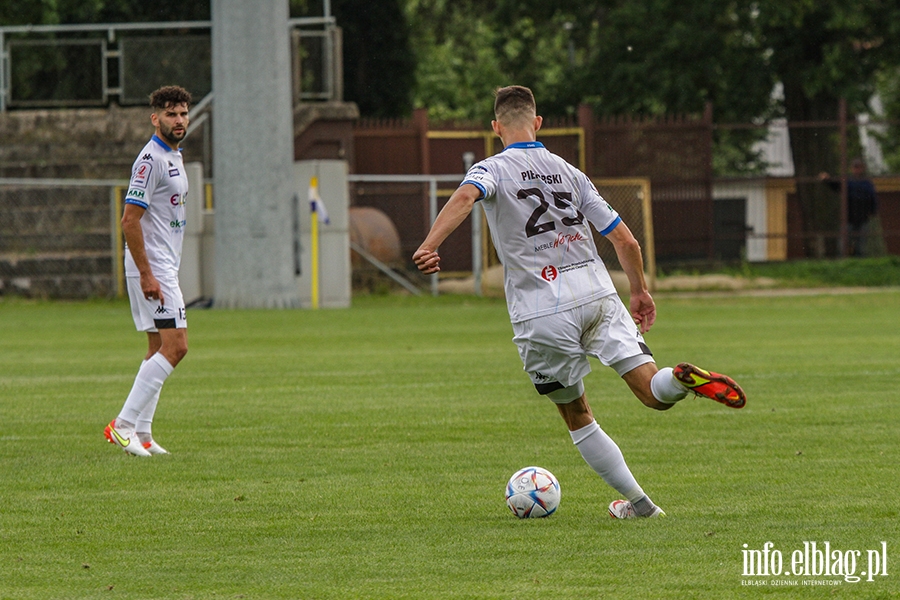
<point x="89" y="65"/>
<point x="58" y="237"/>
<point x="413" y="201"/>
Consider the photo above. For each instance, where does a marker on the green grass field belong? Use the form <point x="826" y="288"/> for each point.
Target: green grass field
<point x="363" y="453"/>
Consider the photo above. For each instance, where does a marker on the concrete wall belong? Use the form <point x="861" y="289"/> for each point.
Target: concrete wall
<point x="89" y="143"/>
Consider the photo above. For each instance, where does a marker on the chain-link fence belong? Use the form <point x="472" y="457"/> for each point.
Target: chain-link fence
<point x="91" y="64"/>
<point x="631" y="199"/>
<point x="58" y="238"/>
<point x="409" y="201"/>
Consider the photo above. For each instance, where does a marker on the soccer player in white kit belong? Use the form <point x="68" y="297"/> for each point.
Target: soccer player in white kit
<point x="560" y="297"/>
<point x="153" y="223"/>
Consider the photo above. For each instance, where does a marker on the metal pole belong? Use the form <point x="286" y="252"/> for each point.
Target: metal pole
<point x="477" y="242"/>
<point x="432" y="213"/>
<point x="476" y="249"/>
<point x="843" y="240"/>
<point x="3" y="87"/>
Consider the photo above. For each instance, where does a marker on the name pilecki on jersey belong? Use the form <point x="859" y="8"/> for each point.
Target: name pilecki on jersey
<point x="538" y="207"/>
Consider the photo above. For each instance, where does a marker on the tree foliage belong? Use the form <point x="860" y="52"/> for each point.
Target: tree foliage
<point x="823" y="51"/>
<point x="888" y="87"/>
<point x="379" y="68"/>
<point x="636" y="57"/>
<point x="655" y="57"/>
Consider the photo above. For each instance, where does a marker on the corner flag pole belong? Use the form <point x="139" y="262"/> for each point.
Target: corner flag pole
<point x="314" y="243"/>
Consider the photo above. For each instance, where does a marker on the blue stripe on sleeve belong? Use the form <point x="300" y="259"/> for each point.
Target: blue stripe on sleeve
<point x="143" y="205"/>
<point x="612" y="226"/>
<point x="476" y="184"/>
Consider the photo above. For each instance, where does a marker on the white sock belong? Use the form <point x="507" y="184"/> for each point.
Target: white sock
<point x="666" y="388"/>
<point x="144" y="424"/>
<point x="147" y="385"/>
<point x="145" y="419"/>
<point x="604" y="456"/>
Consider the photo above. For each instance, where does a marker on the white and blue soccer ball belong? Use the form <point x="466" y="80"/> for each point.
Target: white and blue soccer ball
<point x="532" y="492"/>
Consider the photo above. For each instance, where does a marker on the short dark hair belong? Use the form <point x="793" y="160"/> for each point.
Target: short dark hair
<point x="170" y="95"/>
<point x="513" y="101"/>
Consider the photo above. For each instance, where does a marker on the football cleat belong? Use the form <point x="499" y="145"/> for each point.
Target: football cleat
<point x="153" y="448"/>
<point x="714" y="386"/>
<point x="127" y="441"/>
<point x="623" y="509"/>
<point x="107" y="433"/>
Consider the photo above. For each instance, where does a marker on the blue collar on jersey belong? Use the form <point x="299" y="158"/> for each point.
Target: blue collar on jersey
<point x="525" y="145"/>
<point x="165" y="146"/>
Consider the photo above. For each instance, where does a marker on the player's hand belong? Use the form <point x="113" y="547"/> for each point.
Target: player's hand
<point x="427" y="260"/>
<point x="643" y="311"/>
<point x="151" y="288"/>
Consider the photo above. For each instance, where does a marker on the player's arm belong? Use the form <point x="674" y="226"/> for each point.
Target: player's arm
<point x="628" y="250"/>
<point x="452" y="215"/>
<point x="134" y="237"/>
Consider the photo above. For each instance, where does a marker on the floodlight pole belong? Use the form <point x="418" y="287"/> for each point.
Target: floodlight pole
<point x="254" y="155"/>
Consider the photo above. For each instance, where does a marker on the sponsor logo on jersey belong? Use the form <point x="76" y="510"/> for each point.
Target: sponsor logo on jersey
<point x="562" y="239"/>
<point x="565" y="239"/>
<point x="147" y="157"/>
<point x="178" y="199"/>
<point x="141" y="174"/>
<point x="531" y="176"/>
<point x="176" y="224"/>
<point x="583" y="264"/>
<point x="132" y="193"/>
<point x="549" y="273"/>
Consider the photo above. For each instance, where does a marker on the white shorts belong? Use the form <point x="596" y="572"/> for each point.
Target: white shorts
<point x="555" y="348"/>
<point x="150" y="315"/>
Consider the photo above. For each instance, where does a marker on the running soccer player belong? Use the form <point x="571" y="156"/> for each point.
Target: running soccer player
<point x="560" y="297"/>
<point x="153" y="223"/>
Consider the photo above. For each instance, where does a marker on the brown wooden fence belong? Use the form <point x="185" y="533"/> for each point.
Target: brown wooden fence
<point x="673" y="152"/>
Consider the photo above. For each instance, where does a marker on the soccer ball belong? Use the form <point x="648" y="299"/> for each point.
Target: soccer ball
<point x="532" y="492"/>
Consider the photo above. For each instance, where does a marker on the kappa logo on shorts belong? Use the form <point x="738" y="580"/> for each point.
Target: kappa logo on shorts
<point x="162" y="310"/>
<point x="549" y="273"/>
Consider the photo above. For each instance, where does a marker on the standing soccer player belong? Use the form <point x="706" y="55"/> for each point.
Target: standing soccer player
<point x="560" y="297"/>
<point x="153" y="223"/>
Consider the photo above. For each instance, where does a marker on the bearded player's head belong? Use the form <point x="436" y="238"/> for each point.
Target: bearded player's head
<point x="170" y="113"/>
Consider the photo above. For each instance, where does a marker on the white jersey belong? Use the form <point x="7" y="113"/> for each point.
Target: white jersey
<point x="159" y="185"/>
<point x="538" y="207"/>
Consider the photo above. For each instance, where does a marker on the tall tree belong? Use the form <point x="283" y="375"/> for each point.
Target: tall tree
<point x="379" y="67"/>
<point x="654" y="57"/>
<point x="456" y="64"/>
<point x="824" y="51"/>
<point x="889" y="137"/>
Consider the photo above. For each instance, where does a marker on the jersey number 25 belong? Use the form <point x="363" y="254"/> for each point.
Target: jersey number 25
<point x="561" y="200"/>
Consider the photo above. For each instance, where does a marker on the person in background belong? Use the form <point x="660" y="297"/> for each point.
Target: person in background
<point x="862" y="208"/>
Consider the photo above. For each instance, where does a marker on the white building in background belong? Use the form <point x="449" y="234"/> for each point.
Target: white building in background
<point x="776" y="149"/>
<point x="764" y="199"/>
